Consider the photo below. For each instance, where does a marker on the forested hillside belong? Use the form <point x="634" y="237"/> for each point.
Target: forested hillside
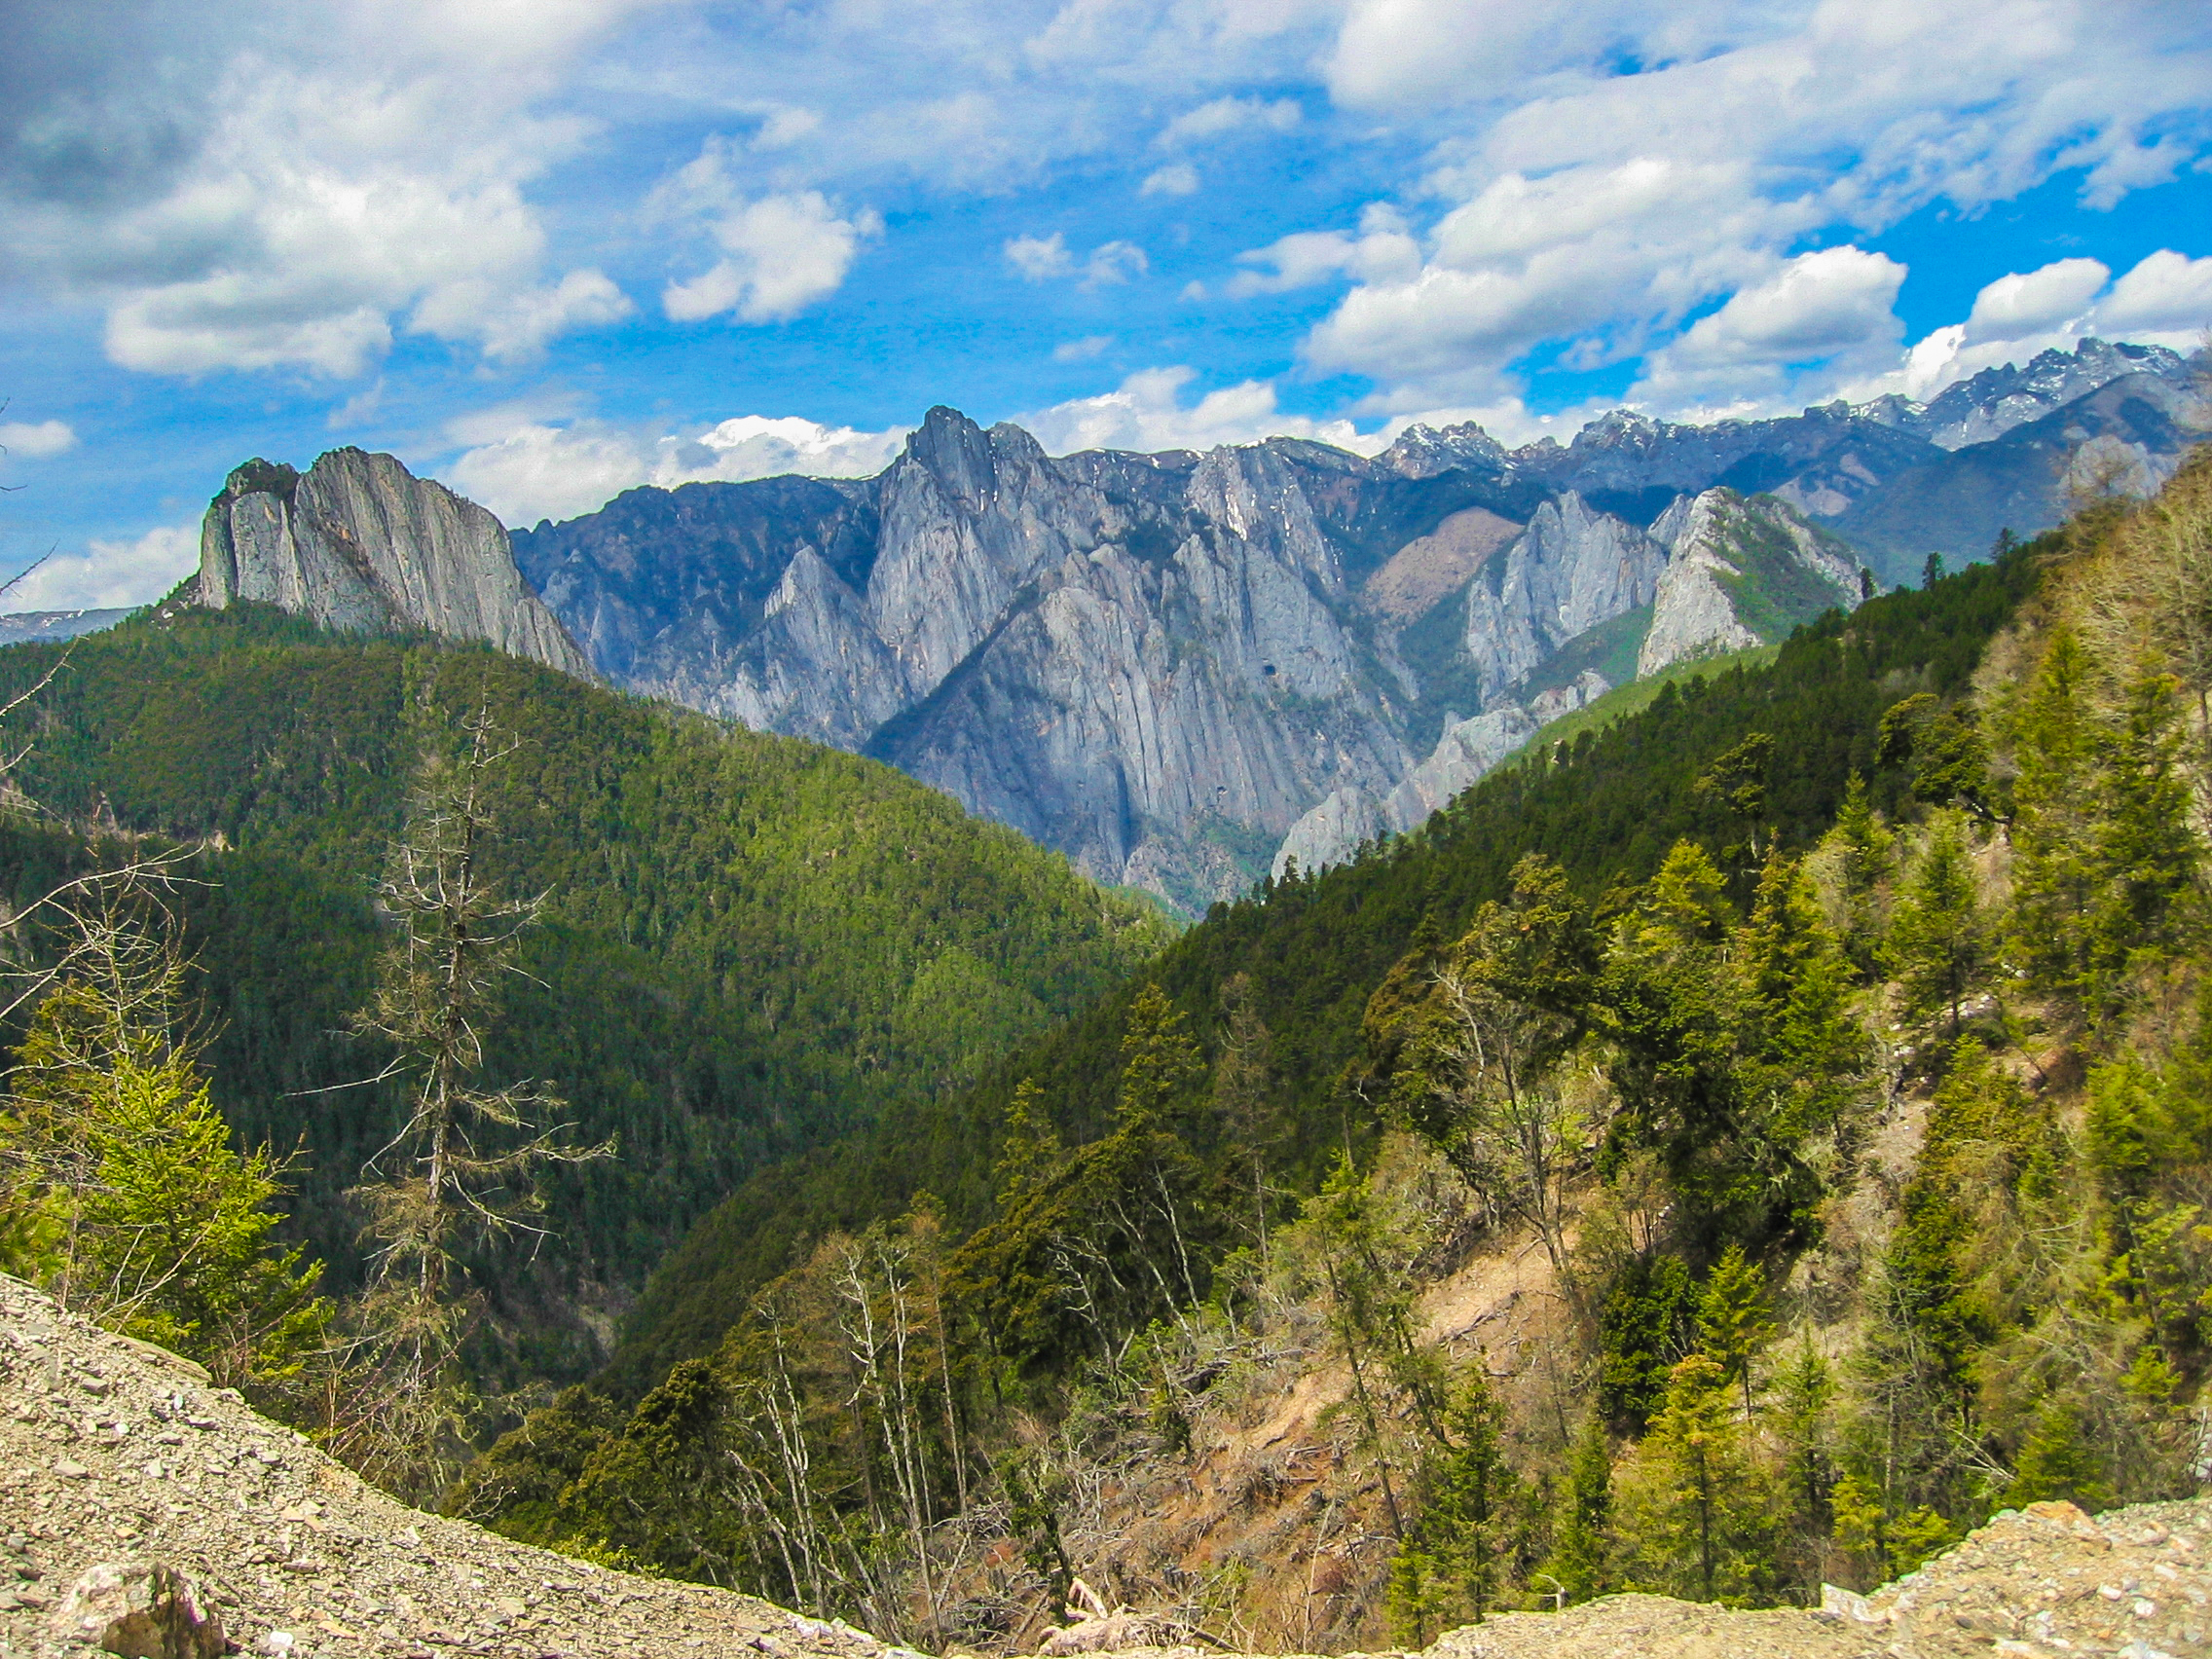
<point x="1735" y="1149"/>
<point x="1310" y="950"/>
<point x="751" y="945"/>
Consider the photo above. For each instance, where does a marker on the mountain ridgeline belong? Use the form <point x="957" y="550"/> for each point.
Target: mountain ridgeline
<point x="1186" y="670"/>
<point x="753" y="943"/>
<point x="1183" y="670"/>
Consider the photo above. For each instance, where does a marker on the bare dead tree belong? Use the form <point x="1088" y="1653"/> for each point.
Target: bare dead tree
<point x="466" y="1164"/>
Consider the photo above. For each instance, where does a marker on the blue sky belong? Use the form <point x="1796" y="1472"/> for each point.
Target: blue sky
<point x="547" y="250"/>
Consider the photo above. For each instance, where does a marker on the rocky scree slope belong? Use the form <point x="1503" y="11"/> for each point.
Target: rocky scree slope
<point x="359" y="543"/>
<point x="114" y="1455"/>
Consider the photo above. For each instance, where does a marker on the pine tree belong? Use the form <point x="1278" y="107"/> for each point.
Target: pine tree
<point x="1581" y="1562"/>
<point x="1869" y="855"/>
<point x="1803" y="1047"/>
<point x="1704" y="1502"/>
<point x="1243" y="1085"/>
<point x="1733" y="1318"/>
<point x="2054" y="875"/>
<point x="1030" y="1149"/>
<point x="1938" y="943"/>
<point x="130" y="1198"/>
<point x="1450" y="1561"/>
<point x="1807" y="1389"/>
<point x="2146" y="848"/>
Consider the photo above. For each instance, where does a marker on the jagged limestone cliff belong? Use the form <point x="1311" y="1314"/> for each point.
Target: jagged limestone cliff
<point x="1160" y="664"/>
<point x="358" y="542"/>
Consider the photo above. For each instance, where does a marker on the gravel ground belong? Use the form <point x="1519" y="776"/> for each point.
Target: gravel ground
<point x="113" y="1452"/>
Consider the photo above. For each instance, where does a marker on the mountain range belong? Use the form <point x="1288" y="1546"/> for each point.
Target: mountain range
<point x="1184" y="669"/>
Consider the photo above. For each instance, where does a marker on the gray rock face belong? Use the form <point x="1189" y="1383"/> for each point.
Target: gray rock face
<point x="1989" y="404"/>
<point x="1173" y="666"/>
<point x="361" y="543"/>
<point x="1571" y="569"/>
<point x="1334" y="830"/>
<point x="1734" y="564"/>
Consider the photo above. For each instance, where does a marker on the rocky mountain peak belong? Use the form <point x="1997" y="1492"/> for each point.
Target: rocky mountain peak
<point x="261" y="477"/>
<point x="1988" y="404"/>
<point x="1423" y="451"/>
<point x="358" y="542"/>
<point x="956" y="451"/>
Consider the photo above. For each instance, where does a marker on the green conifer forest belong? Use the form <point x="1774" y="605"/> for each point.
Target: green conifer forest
<point x="1737" y="1146"/>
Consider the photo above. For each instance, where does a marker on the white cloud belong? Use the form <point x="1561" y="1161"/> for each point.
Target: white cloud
<point x="1113" y="262"/>
<point x="526" y="467"/>
<point x="1176" y="178"/>
<point x="2167" y="293"/>
<point x="1816" y="315"/>
<point x="1817" y="306"/>
<point x="786" y="127"/>
<point x="2024" y="303"/>
<point x="1040" y="259"/>
<point x="337" y="174"/>
<point x="1082" y="351"/>
<point x="110" y="573"/>
<point x="1606" y="171"/>
<point x="517" y="327"/>
<point x="1382" y="251"/>
<point x="1227" y="115"/>
<point x="782" y="252"/>
<point x="1147" y="412"/>
<point x="2164" y="299"/>
<point x="1603" y="256"/>
<point x="25" y="440"/>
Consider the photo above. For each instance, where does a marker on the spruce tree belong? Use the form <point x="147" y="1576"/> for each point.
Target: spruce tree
<point x="1581" y="1562"/>
<point x="1733" y="1318"/>
<point x="2054" y="874"/>
<point x="1938" y="943"/>
<point x="129" y="1198"/>
<point x="2146" y="848"/>
<point x="1869" y="856"/>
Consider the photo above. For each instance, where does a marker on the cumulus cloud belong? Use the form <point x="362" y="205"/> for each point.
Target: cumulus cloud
<point x="332" y="176"/>
<point x="1042" y="259"/>
<point x="1227" y="115"/>
<point x="2164" y="299"/>
<point x="1604" y="173"/>
<point x="1176" y="178"/>
<point x="526" y="467"/>
<point x="1082" y="351"/>
<point x="2167" y="294"/>
<point x="2023" y="304"/>
<point x="782" y="253"/>
<point x="1819" y="315"/>
<point x="1382" y="250"/>
<point x="1147" y="412"/>
<point x="36" y="440"/>
<point x="1605" y="256"/>
<point x="110" y="573"/>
